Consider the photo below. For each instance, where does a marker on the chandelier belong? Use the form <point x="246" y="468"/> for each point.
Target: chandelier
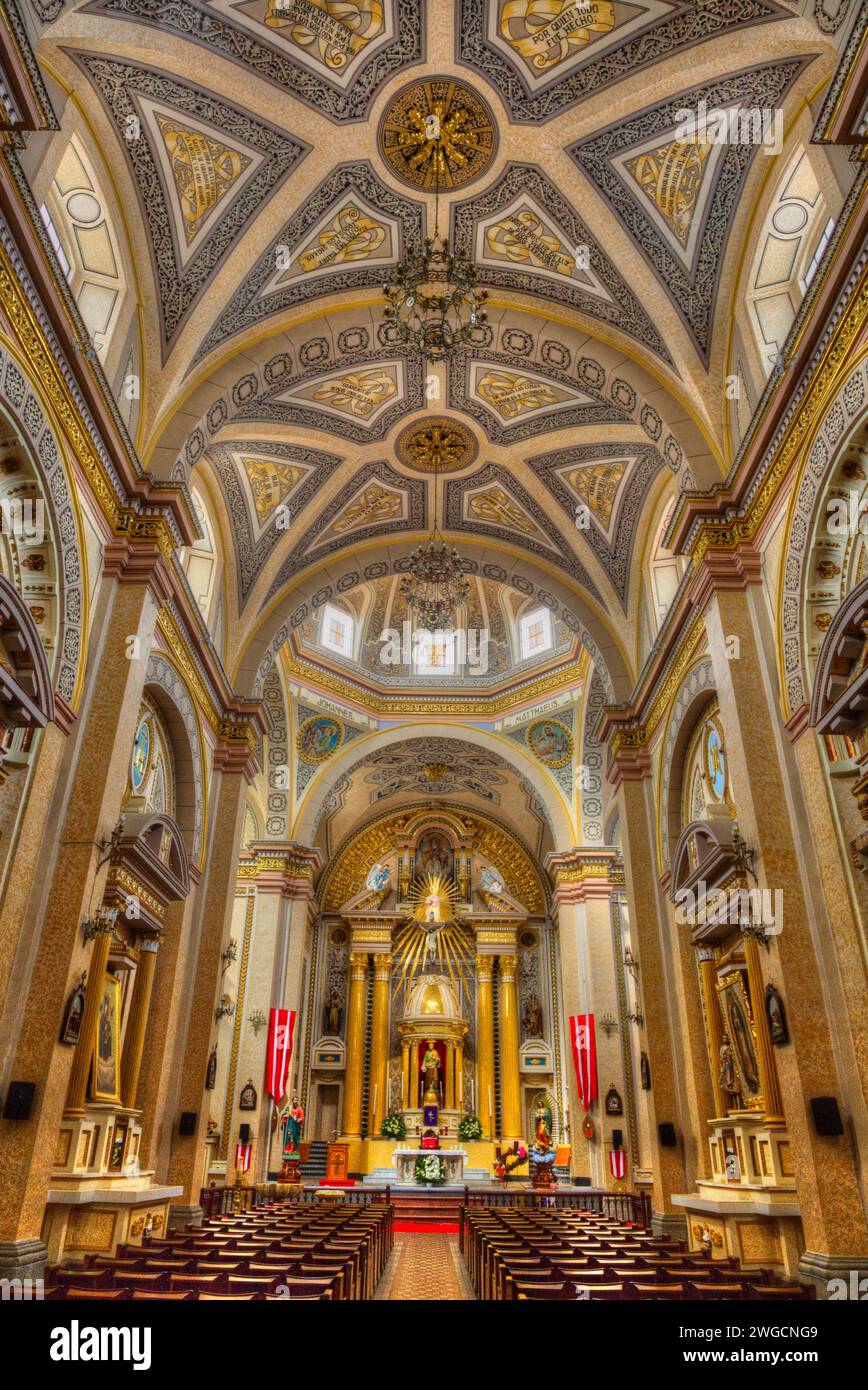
<point x="435" y="583"/>
<point x="433" y="299"/>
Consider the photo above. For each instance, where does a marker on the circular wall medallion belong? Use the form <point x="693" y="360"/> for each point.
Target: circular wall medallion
<point x="143" y="752"/>
<point x="318" y="738"/>
<point x="551" y="742"/>
<point x="439" y="443"/>
<point x="467" y="141"/>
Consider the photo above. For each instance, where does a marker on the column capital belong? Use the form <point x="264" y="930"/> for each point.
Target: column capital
<point x="584" y="873"/>
<point x="382" y="966"/>
<point x="484" y="967"/>
<point x="725" y="569"/>
<point x="358" y="965"/>
<point x="281" y="866"/>
<point x="236" y="757"/>
<point x="508" y="967"/>
<point x="629" y="757"/>
<point x="138" y="564"/>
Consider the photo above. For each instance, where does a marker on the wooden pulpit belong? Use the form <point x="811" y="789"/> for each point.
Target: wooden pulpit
<point x="337" y="1161"/>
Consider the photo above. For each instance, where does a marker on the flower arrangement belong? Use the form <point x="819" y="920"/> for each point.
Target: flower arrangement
<point x="469" y="1127"/>
<point x="507" y="1160"/>
<point x="393" y="1127"/>
<point x="430" y="1168"/>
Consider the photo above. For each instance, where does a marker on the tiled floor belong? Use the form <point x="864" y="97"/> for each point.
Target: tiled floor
<point x="425" y="1267"/>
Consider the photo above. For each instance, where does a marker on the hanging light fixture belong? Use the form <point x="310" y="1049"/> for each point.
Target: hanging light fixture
<point x="433" y="299"/>
<point x="435" y="583"/>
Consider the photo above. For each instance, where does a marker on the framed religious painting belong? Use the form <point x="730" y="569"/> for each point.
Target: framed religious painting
<point x="142" y="755"/>
<point x="73" y="1014"/>
<point x="551" y="742"/>
<point x="318" y="738"/>
<point x="740" y="1031"/>
<point x="105" y="1073"/>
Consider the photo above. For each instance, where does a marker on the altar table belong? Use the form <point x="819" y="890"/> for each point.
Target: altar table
<point x="405" y="1162"/>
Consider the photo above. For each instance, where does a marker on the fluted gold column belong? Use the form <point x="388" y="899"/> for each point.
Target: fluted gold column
<point x="768" y="1071"/>
<point x="405" y="1073"/>
<point x="485" y="1055"/>
<point x="137" y="1021"/>
<point x="459" y="1075"/>
<point x="352" y="1126"/>
<point x="77" y="1090"/>
<point x="378" y="1085"/>
<point x="509" y="1087"/>
<point x="450" y="1076"/>
<point x="707" y="980"/>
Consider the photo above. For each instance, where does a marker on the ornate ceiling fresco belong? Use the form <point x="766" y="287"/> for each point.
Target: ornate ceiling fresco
<point x="270" y="160"/>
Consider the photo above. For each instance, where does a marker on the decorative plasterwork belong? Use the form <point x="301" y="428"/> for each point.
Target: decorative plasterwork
<point x="677" y="197"/>
<point x="257" y="477"/>
<point x="562" y="772"/>
<point x="433" y="767"/>
<point x="467" y="141"/>
<point x="848" y="404"/>
<point x="19" y="400"/>
<point x="278" y="757"/>
<point x="336" y="61"/>
<point x="528" y="237"/>
<point x="590" y="784"/>
<point x="341" y="238"/>
<point x="494" y="503"/>
<point x="511" y="401"/>
<point x="612" y="481"/>
<point x="361" y="399"/>
<point x="380" y="503"/>
<point x="202" y="169"/>
<point x="542" y="58"/>
<point x="305" y="770"/>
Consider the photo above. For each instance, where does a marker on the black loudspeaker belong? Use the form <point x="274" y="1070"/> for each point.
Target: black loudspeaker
<point x="666" y="1132"/>
<point x="19" y="1100"/>
<point x="827" y="1116"/>
<point x="617" y="1138"/>
<point x="244" y="1134"/>
<point x="187" y="1123"/>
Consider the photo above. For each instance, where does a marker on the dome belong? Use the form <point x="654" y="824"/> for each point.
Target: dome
<point x="432" y="997"/>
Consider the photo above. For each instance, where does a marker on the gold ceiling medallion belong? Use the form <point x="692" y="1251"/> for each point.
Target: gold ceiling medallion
<point x="433" y="939"/>
<point x="434" y="772"/>
<point x="467" y="137"/>
<point x="440" y="445"/>
<point x="545" y="32"/>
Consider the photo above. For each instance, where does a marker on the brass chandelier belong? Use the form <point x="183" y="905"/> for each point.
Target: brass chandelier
<point x="435" y="583"/>
<point x="433" y="299"/>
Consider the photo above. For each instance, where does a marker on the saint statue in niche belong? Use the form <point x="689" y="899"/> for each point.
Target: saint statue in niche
<point x="333" y="1014"/>
<point x="532" y="1018"/>
<point x="777" y="1018"/>
<point x="543" y="1125"/>
<point x="431" y="1075"/>
<point x="211" y="1072"/>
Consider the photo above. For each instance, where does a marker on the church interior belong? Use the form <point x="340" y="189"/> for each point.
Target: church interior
<point x="433" y="650"/>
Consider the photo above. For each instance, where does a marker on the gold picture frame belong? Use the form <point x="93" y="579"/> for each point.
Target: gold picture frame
<point x="739" y="1026"/>
<point x="105" y="1072"/>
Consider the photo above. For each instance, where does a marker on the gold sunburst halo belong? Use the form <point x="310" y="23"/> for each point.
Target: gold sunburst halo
<point x="454" y="943"/>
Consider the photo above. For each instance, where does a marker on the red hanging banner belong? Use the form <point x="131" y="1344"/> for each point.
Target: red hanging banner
<point x="618" y="1163"/>
<point x="242" y="1157"/>
<point x="584" y="1043"/>
<point x="281" y="1027"/>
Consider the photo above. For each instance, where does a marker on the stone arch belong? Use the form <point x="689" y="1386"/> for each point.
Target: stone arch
<point x="44" y="459"/>
<point x="167" y="688"/>
<point x="846" y="410"/>
<point x="329" y="775"/>
<point x="697" y="690"/>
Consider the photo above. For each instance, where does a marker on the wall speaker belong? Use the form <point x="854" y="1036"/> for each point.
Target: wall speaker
<point x="666" y="1132"/>
<point x="827" y="1116"/>
<point x="19" y="1100"/>
<point x="617" y="1138"/>
<point x="187" y="1124"/>
<point x="244" y="1134"/>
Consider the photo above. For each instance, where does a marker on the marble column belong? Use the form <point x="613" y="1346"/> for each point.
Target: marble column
<point x="234" y="770"/>
<point x="510" y="1093"/>
<point x="630" y="773"/>
<point x="405" y="1073"/>
<point x="378" y="1083"/>
<point x="485" y="1045"/>
<point x="137" y="1020"/>
<point x="763" y="773"/>
<point x="768" y="1072"/>
<point x="102" y="756"/>
<point x="352" y="1118"/>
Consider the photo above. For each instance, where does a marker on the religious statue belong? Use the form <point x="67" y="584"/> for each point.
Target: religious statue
<point x="431" y="1075"/>
<point x="542" y="1125"/>
<point x="532" y="1017"/>
<point x="728" y="1081"/>
<point x="378" y="877"/>
<point x="489" y="881"/>
<point x="211" y="1071"/>
<point x="777" y="1018"/>
<point x="291" y="1125"/>
<point x="432" y="907"/>
<point x="333" y="1013"/>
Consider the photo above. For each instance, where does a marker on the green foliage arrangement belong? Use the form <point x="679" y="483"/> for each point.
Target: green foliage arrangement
<point x="469" y="1127"/>
<point x="393" y="1127"/>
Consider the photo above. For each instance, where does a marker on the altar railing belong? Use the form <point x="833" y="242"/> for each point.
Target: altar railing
<point x="618" y="1206"/>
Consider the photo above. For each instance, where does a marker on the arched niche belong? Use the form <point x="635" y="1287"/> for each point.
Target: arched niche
<point x="150" y="864"/>
<point x="165" y="686"/>
<point x="695" y="694"/>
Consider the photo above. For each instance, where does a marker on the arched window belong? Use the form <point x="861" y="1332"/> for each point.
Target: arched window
<point x="75" y="217"/>
<point x="666" y="570"/>
<point x="200" y="562"/>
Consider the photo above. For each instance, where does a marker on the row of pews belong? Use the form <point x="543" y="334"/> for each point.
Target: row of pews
<point x="537" y="1253"/>
<point x="276" y="1251"/>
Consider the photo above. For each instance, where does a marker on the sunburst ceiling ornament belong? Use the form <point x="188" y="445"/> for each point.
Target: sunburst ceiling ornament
<point x="437" y="444"/>
<point x="467" y="141"/>
<point x="433" y="939"/>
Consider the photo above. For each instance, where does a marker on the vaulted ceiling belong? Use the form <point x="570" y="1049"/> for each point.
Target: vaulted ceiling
<point x="269" y="161"/>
